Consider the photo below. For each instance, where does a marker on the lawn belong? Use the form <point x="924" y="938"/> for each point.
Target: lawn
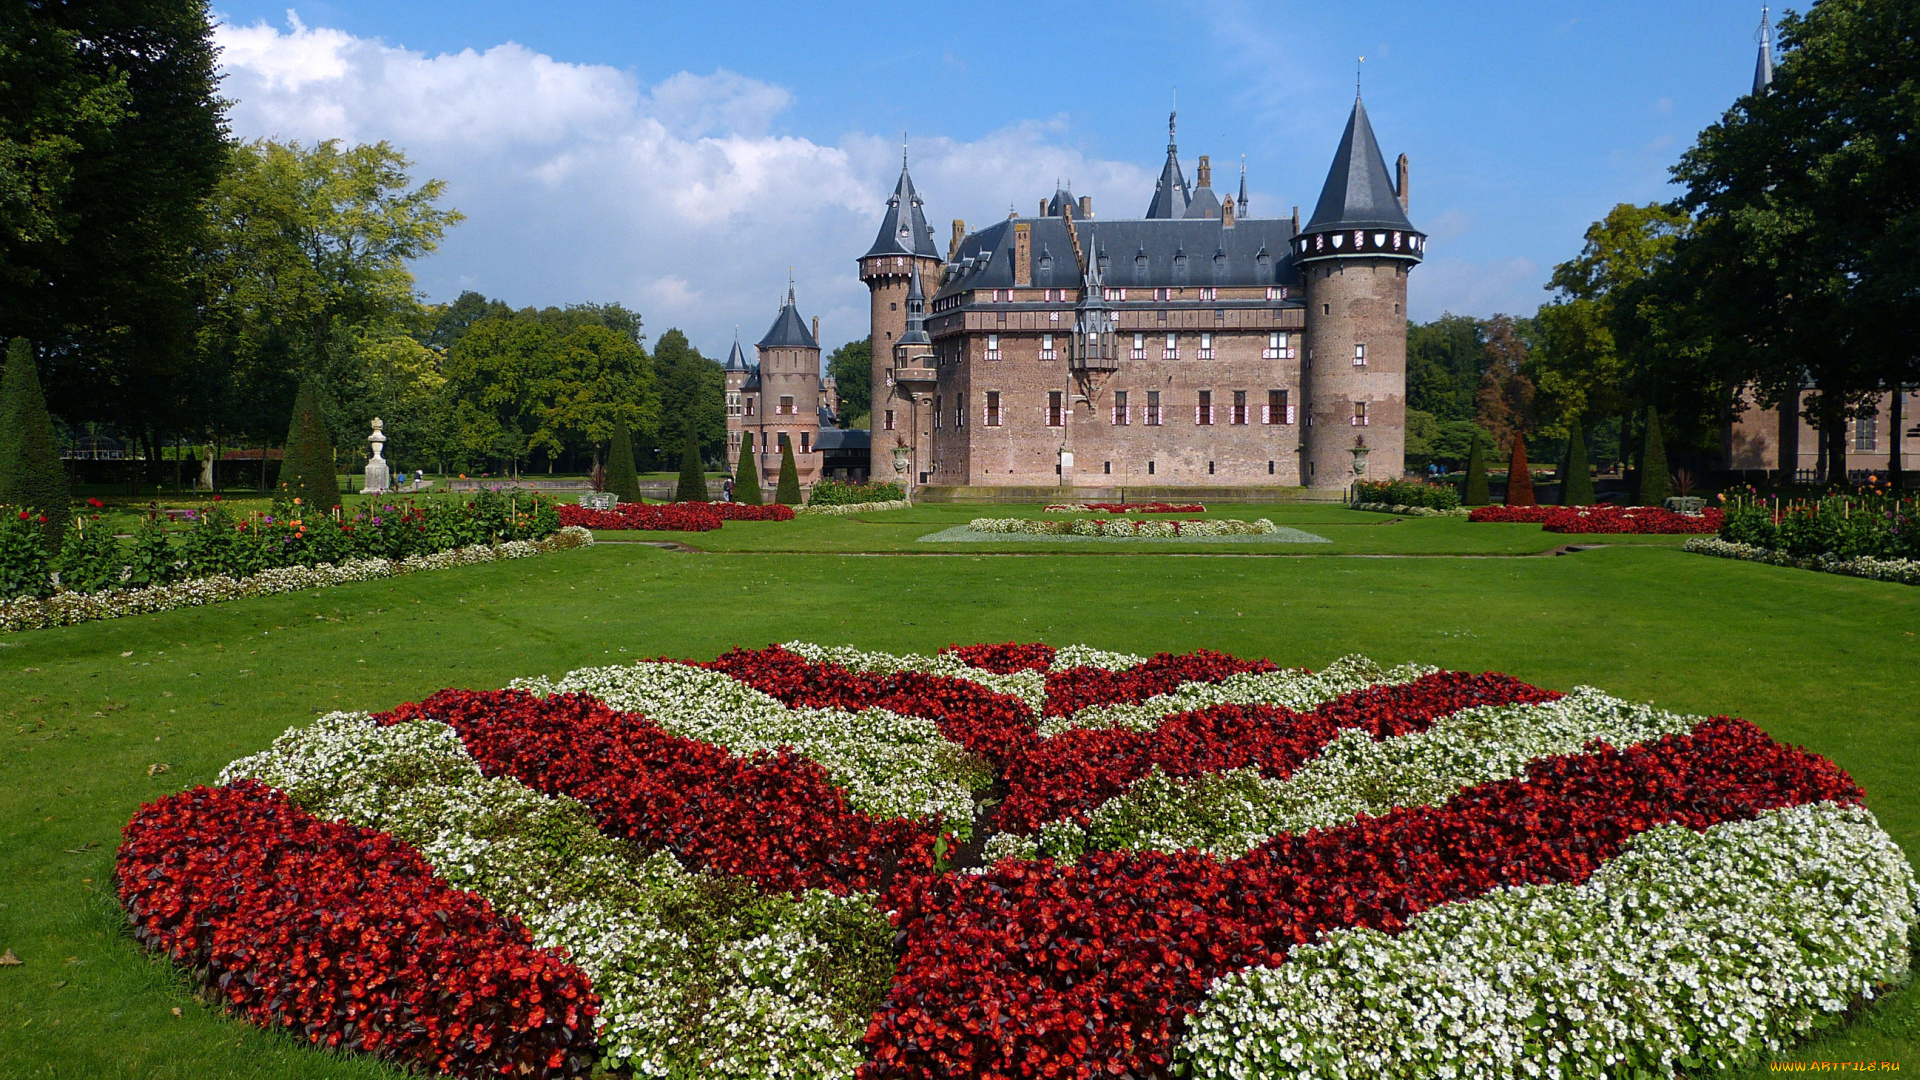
<point x="1829" y="662"/>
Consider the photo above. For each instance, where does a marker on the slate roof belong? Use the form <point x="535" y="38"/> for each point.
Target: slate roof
<point x="789" y="330"/>
<point x="1170" y="192"/>
<point x="1358" y="193"/>
<point x="1139" y="253"/>
<point x="838" y="439"/>
<point x="916" y="332"/>
<point x="736" y="360"/>
<point x="1204" y="204"/>
<point x="1763" y="64"/>
<point x="904" y="229"/>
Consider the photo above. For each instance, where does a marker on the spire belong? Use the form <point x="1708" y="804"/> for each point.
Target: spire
<point x="903" y="229"/>
<point x="916" y="333"/>
<point x="1170" y="194"/>
<point x="789" y="330"/>
<point x="1240" y="204"/>
<point x="1763" y="66"/>
<point x="1359" y="193"/>
<point x="736" y="360"/>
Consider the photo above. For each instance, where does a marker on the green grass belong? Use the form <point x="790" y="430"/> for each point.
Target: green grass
<point x="1824" y="661"/>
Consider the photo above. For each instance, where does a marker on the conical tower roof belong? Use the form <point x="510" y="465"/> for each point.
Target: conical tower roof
<point x="789" y="330"/>
<point x="737" y="360"/>
<point x="904" y="229"/>
<point x="1359" y="191"/>
<point x="1763" y="64"/>
<point x="916" y="332"/>
<point x="1170" y="194"/>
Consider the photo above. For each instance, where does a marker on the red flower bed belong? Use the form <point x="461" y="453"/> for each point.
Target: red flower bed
<point x="1004" y="659"/>
<point x="991" y="725"/>
<point x="670" y="517"/>
<point x="1147" y="508"/>
<point x="1074" y="772"/>
<point x="1603" y="518"/>
<point x="733" y="511"/>
<point x="1074" y="689"/>
<point x="774" y="819"/>
<point x="345" y="936"/>
<point x="1036" y="970"/>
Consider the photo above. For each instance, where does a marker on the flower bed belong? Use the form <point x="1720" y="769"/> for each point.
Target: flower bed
<point x="66" y="608"/>
<point x="1009" y="860"/>
<point x="671" y="517"/>
<point x="846" y="509"/>
<point x="1405" y="510"/>
<point x="1158" y="530"/>
<point x="1602" y="519"/>
<point x="1904" y="571"/>
<point x="1408" y="493"/>
<point x="1126" y="508"/>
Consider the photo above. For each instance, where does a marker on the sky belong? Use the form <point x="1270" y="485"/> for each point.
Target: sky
<point x="683" y="158"/>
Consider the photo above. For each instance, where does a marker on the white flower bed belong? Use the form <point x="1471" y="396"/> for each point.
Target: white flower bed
<point x="1687" y="949"/>
<point x="697" y="974"/>
<point x="1409" y="511"/>
<point x="1904" y="571"/>
<point x="890" y="765"/>
<point x="66" y="608"/>
<point x="1293" y="689"/>
<point x="1122" y="527"/>
<point x="1028" y="686"/>
<point x="854" y="508"/>
<point x="1068" y="657"/>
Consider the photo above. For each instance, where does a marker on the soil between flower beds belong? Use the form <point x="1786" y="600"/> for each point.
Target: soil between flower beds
<point x="656" y="794"/>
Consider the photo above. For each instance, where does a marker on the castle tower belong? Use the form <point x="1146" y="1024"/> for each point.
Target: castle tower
<point x="789" y="392"/>
<point x="738" y="373"/>
<point x="903" y="248"/>
<point x="1354" y="255"/>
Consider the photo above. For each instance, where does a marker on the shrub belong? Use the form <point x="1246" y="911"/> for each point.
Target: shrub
<point x="693" y="475"/>
<point x="31" y="476"/>
<point x="1576" y="483"/>
<point x="89" y="558"/>
<point x="308" y="472"/>
<point x="622" y="480"/>
<point x="842" y="493"/>
<point x="788" y="492"/>
<point x="25" y="566"/>
<point x="1475" y="491"/>
<point x="1519" y="474"/>
<point x="1656" y="485"/>
<point x="152" y="560"/>
<point x="1408" y="493"/>
<point x="746" y="475"/>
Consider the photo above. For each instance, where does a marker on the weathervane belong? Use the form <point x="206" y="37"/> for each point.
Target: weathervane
<point x="1356" y="76"/>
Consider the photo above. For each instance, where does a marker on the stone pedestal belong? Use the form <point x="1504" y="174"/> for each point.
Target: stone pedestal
<point x="378" y="478"/>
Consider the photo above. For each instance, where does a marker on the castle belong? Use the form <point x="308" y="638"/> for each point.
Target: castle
<point x="1197" y="346"/>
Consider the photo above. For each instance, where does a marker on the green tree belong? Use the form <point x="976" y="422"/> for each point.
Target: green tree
<point x="746" y="474"/>
<point x="1445" y="359"/>
<point x="1475" y="491"/>
<point x="450" y="322"/>
<point x="308" y="471"/>
<point x="693" y="397"/>
<point x="111" y="138"/>
<point x="788" y="491"/>
<point x="31" y="476"/>
<point x="1576" y="481"/>
<point x="622" y="480"/>
<point x="1656" y="484"/>
<point x="851" y="366"/>
<point x="584" y="382"/>
<point x="693" y="475"/>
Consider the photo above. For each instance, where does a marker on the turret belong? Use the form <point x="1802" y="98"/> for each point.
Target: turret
<point x="1170" y="192"/>
<point x="789" y="393"/>
<point x="902" y="251"/>
<point x="1354" y="255"/>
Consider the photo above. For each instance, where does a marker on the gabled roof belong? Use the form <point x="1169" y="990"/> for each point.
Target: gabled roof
<point x="789" y="330"/>
<point x="736" y="360"/>
<point x="1062" y="198"/>
<point x="1358" y="193"/>
<point x="1204" y="205"/>
<point x="904" y="229"/>
<point x="1170" y="192"/>
<point x="1134" y="253"/>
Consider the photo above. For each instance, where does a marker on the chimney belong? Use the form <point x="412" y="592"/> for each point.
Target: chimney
<point x="1400" y="187"/>
<point x="1043" y="209"/>
<point x="1086" y="208"/>
<point x="1023" y="253"/>
<point x="959" y="234"/>
<point x="1206" y="171"/>
<point x="1296" y="219"/>
<point x="816" y="329"/>
<point x="1226" y="212"/>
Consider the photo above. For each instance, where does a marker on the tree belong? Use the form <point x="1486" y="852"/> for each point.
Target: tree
<point x="1519" y="474"/>
<point x="584" y="382"/>
<point x="693" y="475"/>
<point x="851" y="366"/>
<point x="1445" y="359"/>
<point x="693" y="397"/>
<point x="308" y="472"/>
<point x="621" y="478"/>
<point x="1655" y="482"/>
<point x="1503" y="403"/>
<point x="1576" y="482"/>
<point x="788" y="491"/>
<point x="746" y="474"/>
<point x="111" y="138"/>
<point x="452" y="321"/>
<point x="31" y="477"/>
<point x="1475" y="491"/>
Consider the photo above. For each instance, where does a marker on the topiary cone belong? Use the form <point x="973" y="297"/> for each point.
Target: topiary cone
<point x="1656" y="485"/>
<point x="746" y="475"/>
<point x="1474" y="491"/>
<point x="1519" y="474"/>
<point x="622" y="479"/>
<point x="788" y="493"/>
<point x="693" y="475"/>
<point x="31" y="476"/>
<point x="307" y="470"/>
<point x="1576" y="487"/>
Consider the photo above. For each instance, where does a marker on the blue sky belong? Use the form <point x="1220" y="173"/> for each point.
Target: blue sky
<point x="680" y="157"/>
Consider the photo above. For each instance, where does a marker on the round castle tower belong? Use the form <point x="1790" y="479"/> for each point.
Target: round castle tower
<point x="904" y="245"/>
<point x="1354" y="257"/>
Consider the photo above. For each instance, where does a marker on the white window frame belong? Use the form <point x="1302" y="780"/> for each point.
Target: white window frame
<point x="1209" y="293"/>
<point x="1152" y="413"/>
<point x="993" y="346"/>
<point x="1206" y="346"/>
<point x="1172" y="351"/>
<point x="1046" y="347"/>
<point x="1359" y="355"/>
<point x="1359" y="418"/>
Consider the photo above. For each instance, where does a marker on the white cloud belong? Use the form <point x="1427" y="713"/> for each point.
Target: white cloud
<point x="1504" y="286"/>
<point x="681" y="199"/>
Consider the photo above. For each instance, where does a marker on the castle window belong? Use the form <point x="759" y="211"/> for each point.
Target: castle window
<point x="1359" y="414"/>
<point x="1116" y="294"/>
<point x="786" y="443"/>
<point x="1172" y="351"/>
<point x="786" y="405"/>
<point x="1055" y="412"/>
<point x="1219" y="317"/>
<point x="1001" y="296"/>
<point x="1163" y="294"/>
<point x="1269" y="468"/>
<point x="1209" y="293"/>
<point x="1866" y="432"/>
<point x="1209" y="468"/>
<point x="1107" y="467"/>
<point x="1120" y="411"/>
<point x="893" y="307"/>
<point x="993" y="346"/>
<point x="1277" y="410"/>
<point x="749" y="406"/>
<point x="1153" y="413"/>
<point x="1139" y="346"/>
<point x="1203" y="411"/>
<point x="1239" y="407"/>
<point x="936" y="412"/>
<point x="1046" y="347"/>
<point x="1326" y="309"/>
<point x="1359" y="356"/>
<point x="1206" y="346"/>
<point x="993" y="408"/>
<point x="1149" y="468"/>
<point x="806" y="442"/>
<point x="889" y="421"/>
<point x="960" y="410"/>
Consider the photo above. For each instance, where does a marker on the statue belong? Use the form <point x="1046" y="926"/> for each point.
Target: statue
<point x="377" y="475"/>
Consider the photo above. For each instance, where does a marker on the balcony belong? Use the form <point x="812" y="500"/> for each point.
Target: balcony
<point x="919" y="370"/>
